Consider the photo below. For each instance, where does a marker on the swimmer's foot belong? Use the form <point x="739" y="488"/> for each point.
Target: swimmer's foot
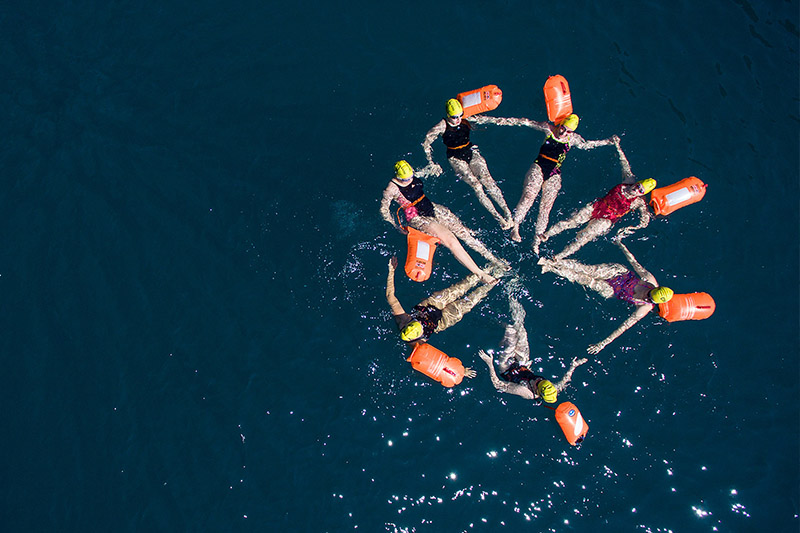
<point x="500" y="267"/>
<point x="536" y="242"/>
<point x="486" y="278"/>
<point x="514" y="235"/>
<point x="506" y="223"/>
<point x="546" y="264"/>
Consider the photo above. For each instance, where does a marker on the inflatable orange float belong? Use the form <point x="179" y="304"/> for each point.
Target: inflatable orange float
<point x="419" y="260"/>
<point x="480" y="100"/>
<point x="572" y="423"/>
<point x="437" y="365"/>
<point x="666" y="200"/>
<point x="557" y="98"/>
<point x="694" y="306"/>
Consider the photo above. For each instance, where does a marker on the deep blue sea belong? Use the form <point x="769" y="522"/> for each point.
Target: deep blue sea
<point x="195" y="334"/>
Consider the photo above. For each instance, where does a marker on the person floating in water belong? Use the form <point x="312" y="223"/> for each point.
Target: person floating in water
<point x="601" y="214"/>
<point x="439" y="311"/>
<point x="436" y="220"/>
<point x="545" y="173"/>
<point x="515" y="374"/>
<point x="466" y="159"/>
<point x="638" y="287"/>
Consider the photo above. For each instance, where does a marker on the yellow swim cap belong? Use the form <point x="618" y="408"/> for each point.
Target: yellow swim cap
<point x="403" y="171"/>
<point x="571" y="122"/>
<point x="412" y="331"/>
<point x="454" y="108"/>
<point x="547" y="391"/>
<point x="661" y="295"/>
<point x="647" y="184"/>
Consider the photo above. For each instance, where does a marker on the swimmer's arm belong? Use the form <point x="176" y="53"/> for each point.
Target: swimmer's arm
<point x="541" y="126"/>
<point x="641" y="311"/>
<point x="561" y="385"/>
<point x="637" y="267"/>
<point x="431" y="136"/>
<point x="644" y="218"/>
<point x="391" y="299"/>
<point x="386" y="201"/>
<point x="644" y="214"/>
<point x="627" y="173"/>
<point x="583" y="144"/>
<point x="501" y="121"/>
<point x="504" y="386"/>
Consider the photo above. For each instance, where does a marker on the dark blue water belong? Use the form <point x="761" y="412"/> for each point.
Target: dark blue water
<point x="195" y="332"/>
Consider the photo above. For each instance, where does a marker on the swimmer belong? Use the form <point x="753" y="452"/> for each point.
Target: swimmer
<point x="466" y="159"/>
<point x="545" y="173"/>
<point x="515" y="363"/>
<point x="638" y="287"/>
<point x="439" y="311"/>
<point x="600" y="215"/>
<point x="422" y="214"/>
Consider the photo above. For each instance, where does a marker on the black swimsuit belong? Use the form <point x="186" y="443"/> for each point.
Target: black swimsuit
<point x="521" y="375"/>
<point x="551" y="155"/>
<point x="429" y="316"/>
<point x="456" y="138"/>
<point x="413" y="193"/>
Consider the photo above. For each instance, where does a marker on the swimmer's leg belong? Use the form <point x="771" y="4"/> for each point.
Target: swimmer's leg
<point x="580" y="217"/>
<point x="480" y="169"/>
<point x="449" y="240"/>
<point x="464" y="172"/>
<point x="590" y="276"/>
<point x="550" y="190"/>
<point x="530" y="190"/>
<point x="517" y="343"/>
<point x="595" y="228"/>
<point x="454" y="224"/>
<point x="441" y="299"/>
<point x="456" y="310"/>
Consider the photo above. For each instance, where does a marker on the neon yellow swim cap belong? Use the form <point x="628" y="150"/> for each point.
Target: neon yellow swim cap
<point x="571" y="122"/>
<point x="412" y="331"/>
<point x="648" y="185"/>
<point x="454" y="108"/>
<point x="403" y="171"/>
<point x="661" y="295"/>
<point x="547" y="391"/>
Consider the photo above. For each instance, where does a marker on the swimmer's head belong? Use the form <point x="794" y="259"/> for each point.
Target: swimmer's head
<point x="403" y="171"/>
<point x="412" y="332"/>
<point x="661" y="295"/>
<point x="547" y="391"/>
<point x="454" y="108"/>
<point x="647" y="185"/>
<point x="571" y="122"/>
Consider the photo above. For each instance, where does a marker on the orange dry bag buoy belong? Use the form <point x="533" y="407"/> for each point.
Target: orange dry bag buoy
<point x="419" y="261"/>
<point x="572" y="423"/>
<point x="437" y="365"/>
<point x="480" y="100"/>
<point x="694" y="306"/>
<point x="558" y="98"/>
<point x="666" y="200"/>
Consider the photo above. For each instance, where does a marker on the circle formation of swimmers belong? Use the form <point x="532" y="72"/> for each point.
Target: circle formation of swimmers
<point x="436" y="224"/>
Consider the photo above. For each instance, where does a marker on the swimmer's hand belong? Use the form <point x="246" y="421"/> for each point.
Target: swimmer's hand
<point x="469" y="373"/>
<point x="615" y="139"/>
<point x="578" y="362"/>
<point x="595" y="348"/>
<point x="393" y="262"/>
<point x="485" y="356"/>
<point x="432" y="169"/>
<point x="624" y="232"/>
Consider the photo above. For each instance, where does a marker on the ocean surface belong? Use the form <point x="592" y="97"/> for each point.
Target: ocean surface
<point x="195" y="334"/>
